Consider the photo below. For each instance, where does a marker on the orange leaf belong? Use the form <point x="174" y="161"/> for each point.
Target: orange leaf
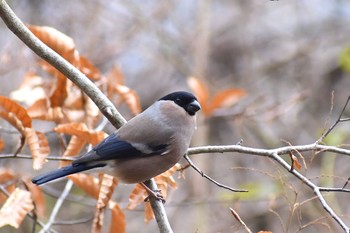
<point x="107" y="188"/>
<point x="199" y="88"/>
<point x="56" y="40"/>
<point x="17" y="206"/>
<point x="60" y="93"/>
<point x="136" y="197"/>
<point x="74" y="147"/>
<point x="16" y="109"/>
<point x="139" y="194"/>
<point x="13" y="120"/>
<point x="32" y="85"/>
<point x="74" y="99"/>
<point x="165" y="179"/>
<point x="39" y="147"/>
<point x="2" y="144"/>
<point x="226" y="98"/>
<point x="41" y="110"/>
<point x="295" y="162"/>
<point x="129" y="97"/>
<point x="37" y="196"/>
<point x="89" y="69"/>
<point x="118" y="223"/>
<point x="200" y="91"/>
<point x="6" y="175"/>
<point x="97" y="222"/>
<point x="81" y="130"/>
<point x="149" y="215"/>
<point x="88" y="183"/>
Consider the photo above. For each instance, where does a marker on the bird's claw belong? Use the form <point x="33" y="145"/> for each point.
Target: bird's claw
<point x="157" y="194"/>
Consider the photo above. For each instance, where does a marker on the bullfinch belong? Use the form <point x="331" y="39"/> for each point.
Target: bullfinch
<point x="144" y="147"/>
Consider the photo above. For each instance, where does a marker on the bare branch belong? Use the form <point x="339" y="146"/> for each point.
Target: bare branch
<point x="209" y="178"/>
<point x="337" y="121"/>
<point x="275" y="155"/>
<point x="238" y="218"/>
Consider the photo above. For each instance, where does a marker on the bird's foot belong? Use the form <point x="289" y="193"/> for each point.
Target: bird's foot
<point x="157" y="194"/>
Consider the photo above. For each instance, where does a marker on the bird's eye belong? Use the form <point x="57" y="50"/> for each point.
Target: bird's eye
<point x="178" y="101"/>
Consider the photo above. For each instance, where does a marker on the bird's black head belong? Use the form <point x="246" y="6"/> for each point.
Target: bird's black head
<point x="185" y="100"/>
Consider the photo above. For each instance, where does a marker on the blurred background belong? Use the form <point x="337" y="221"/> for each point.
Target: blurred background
<point x="284" y="54"/>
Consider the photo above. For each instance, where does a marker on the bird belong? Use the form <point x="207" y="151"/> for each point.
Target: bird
<point x="147" y="145"/>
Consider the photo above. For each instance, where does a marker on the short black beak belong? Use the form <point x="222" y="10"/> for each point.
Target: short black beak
<point x="193" y="107"/>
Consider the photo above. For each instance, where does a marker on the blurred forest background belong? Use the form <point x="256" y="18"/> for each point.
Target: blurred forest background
<point x="285" y="55"/>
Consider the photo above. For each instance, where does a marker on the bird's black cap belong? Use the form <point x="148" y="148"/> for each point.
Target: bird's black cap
<point x="185" y="100"/>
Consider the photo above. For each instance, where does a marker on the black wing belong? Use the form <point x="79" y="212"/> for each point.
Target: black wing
<point x="114" y="148"/>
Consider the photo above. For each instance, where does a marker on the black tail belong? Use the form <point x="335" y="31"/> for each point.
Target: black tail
<point x="64" y="171"/>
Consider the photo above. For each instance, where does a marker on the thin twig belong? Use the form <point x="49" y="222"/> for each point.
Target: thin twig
<point x="24" y="156"/>
<point x="238" y="218"/>
<point x="209" y="178"/>
<point x="57" y="206"/>
<point x="337" y="121"/>
<point x="275" y="155"/>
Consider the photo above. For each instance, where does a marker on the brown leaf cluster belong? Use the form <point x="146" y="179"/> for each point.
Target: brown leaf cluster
<point x="18" y="117"/>
<point x="55" y="98"/>
<point x="102" y="189"/>
<point x="16" y="207"/>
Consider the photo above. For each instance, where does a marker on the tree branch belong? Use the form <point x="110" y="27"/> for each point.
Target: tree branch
<point x="275" y="155"/>
<point x="77" y="77"/>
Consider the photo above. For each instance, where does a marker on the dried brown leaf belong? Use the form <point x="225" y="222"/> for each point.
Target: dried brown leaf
<point x="136" y="197"/>
<point x="15" y="209"/>
<point x="129" y="97"/>
<point x="74" y="100"/>
<point x="97" y="222"/>
<point x="226" y="98"/>
<point x="60" y="92"/>
<point x="41" y="110"/>
<point x="118" y="223"/>
<point x="106" y="190"/>
<point x="201" y="91"/>
<point x="107" y="186"/>
<point x="13" y="120"/>
<point x="295" y="162"/>
<point x="91" y="71"/>
<point x="2" y="144"/>
<point x="37" y="196"/>
<point x="39" y="147"/>
<point x="82" y="131"/>
<point x="56" y="40"/>
<point x="6" y="175"/>
<point x="20" y="113"/>
<point x="32" y="85"/>
<point x="75" y="145"/>
<point x="88" y="183"/>
<point x="149" y="215"/>
<point x="165" y="179"/>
